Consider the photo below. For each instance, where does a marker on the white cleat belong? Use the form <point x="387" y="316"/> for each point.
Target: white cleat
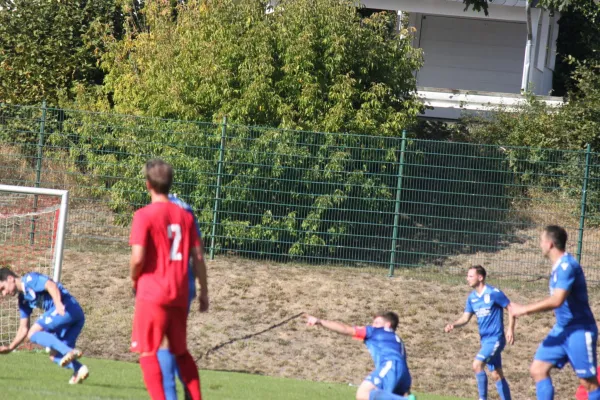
<point x="70" y="357"/>
<point x="80" y="376"/>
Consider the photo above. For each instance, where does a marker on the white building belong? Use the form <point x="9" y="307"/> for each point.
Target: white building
<point x="477" y="62"/>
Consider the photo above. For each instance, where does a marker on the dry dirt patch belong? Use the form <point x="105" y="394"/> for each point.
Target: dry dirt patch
<point x="248" y="296"/>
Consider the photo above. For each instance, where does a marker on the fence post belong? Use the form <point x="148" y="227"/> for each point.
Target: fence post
<point x="586" y="177"/>
<point x="218" y="191"/>
<point x="38" y="168"/>
<point x="397" y="208"/>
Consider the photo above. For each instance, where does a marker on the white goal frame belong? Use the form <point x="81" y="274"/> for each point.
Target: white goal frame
<point x="62" y="219"/>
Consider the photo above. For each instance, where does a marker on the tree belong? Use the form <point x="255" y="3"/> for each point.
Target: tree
<point x="46" y="46"/>
<point x="310" y="64"/>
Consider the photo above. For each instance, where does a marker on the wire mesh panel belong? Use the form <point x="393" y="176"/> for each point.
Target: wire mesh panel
<point x="467" y="204"/>
<point x="417" y="206"/>
<point x="305" y="196"/>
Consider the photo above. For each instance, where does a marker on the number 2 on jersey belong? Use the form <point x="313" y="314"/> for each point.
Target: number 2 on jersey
<point x="174" y="232"/>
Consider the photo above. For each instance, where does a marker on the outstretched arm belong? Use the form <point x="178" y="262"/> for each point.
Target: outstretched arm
<point x="556" y="300"/>
<point x="19" y="337"/>
<point x="463" y="320"/>
<point x="331" y="325"/>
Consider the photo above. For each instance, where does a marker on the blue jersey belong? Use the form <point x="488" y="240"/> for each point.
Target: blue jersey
<point x="34" y="294"/>
<point x="383" y="344"/>
<point x="575" y="311"/>
<point x="192" y="279"/>
<point x="488" y="306"/>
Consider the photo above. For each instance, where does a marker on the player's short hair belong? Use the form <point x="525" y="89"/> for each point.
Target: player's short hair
<point x="159" y="174"/>
<point x="480" y="270"/>
<point x="5" y="272"/>
<point x="558" y="236"/>
<point x="390" y="317"/>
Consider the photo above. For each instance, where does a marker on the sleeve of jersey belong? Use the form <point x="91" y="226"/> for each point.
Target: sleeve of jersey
<point x="501" y="299"/>
<point x="138" y="231"/>
<point x="360" y="333"/>
<point x="35" y="281"/>
<point x="24" y="309"/>
<point x="565" y="276"/>
<point x="468" y="307"/>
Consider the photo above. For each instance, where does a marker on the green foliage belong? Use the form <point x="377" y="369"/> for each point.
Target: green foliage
<point x="310" y="64"/>
<point x="578" y="43"/>
<point x="45" y="46"/>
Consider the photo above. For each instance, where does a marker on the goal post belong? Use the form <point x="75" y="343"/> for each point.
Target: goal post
<point x="19" y="209"/>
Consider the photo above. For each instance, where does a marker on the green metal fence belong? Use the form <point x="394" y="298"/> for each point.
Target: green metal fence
<point x="398" y="203"/>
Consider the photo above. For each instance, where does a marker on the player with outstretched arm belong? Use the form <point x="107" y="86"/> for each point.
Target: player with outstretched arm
<point x="390" y="380"/>
<point x="573" y="338"/>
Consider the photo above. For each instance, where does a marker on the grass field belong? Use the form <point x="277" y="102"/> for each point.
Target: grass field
<point x="27" y="376"/>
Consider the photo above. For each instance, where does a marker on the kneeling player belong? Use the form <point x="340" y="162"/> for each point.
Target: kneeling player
<point x="391" y="379"/>
<point x="57" y="328"/>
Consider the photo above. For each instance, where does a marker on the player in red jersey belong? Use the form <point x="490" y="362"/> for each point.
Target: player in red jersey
<point x="163" y="237"/>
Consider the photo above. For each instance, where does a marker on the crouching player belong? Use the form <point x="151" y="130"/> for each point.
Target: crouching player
<point x="391" y="379"/>
<point x="57" y="328"/>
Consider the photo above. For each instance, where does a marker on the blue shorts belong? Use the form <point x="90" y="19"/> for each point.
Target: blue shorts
<point x="66" y="327"/>
<point x="575" y="345"/>
<point x="392" y="377"/>
<point x="491" y="352"/>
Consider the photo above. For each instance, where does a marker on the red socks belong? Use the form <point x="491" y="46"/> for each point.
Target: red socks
<point x="189" y="374"/>
<point x="153" y="377"/>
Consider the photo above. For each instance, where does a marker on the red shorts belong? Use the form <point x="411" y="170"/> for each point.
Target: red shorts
<point x="152" y="322"/>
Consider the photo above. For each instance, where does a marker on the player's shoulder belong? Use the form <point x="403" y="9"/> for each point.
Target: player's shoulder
<point x="493" y="289"/>
<point x="30" y="276"/>
<point x="178" y="202"/>
<point x="567" y="262"/>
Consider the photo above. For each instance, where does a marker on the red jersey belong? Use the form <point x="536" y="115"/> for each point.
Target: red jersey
<point x="167" y="232"/>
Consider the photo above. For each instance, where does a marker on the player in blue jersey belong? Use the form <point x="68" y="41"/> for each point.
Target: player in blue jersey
<point x="391" y="378"/>
<point x="166" y="360"/>
<point x="59" y="325"/>
<point x="573" y="338"/>
<point x="488" y="303"/>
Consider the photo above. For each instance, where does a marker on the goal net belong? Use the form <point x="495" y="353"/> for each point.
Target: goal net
<point x="32" y="230"/>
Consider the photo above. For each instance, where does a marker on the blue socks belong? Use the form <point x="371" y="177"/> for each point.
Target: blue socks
<point x="46" y="339"/>
<point x="168" y="367"/>
<point x="75" y="365"/>
<point x="544" y="390"/>
<point x="503" y="389"/>
<point x="482" y="384"/>
<point x="595" y="395"/>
